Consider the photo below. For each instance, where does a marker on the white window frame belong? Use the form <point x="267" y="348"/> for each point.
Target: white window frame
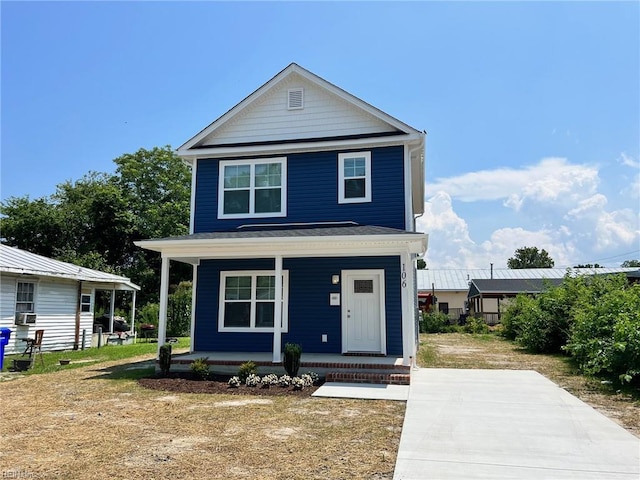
<point x="341" y="178"/>
<point x="252" y="188"/>
<point x="33" y="299"/>
<point x="254" y="274"/>
<point x="89" y="304"/>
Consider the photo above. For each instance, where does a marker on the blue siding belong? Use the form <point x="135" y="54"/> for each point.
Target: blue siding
<point x="310" y="315"/>
<point x="312" y="194"/>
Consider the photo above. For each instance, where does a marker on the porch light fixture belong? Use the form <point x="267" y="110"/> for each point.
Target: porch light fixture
<point x="335" y="279"/>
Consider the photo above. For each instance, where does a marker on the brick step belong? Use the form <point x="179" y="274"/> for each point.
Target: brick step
<point x="378" y="378"/>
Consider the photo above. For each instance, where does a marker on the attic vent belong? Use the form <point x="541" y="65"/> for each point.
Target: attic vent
<point x="296" y="98"/>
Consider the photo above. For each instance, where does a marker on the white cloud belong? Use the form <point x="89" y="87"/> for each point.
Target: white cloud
<point x="576" y="222"/>
<point x="628" y="161"/>
<point x="550" y="180"/>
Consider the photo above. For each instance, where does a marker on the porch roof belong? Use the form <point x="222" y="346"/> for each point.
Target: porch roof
<point x="289" y="241"/>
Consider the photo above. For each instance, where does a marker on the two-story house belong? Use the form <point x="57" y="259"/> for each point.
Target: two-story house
<point x="303" y="208"/>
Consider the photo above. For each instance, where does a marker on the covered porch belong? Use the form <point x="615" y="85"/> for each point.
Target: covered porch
<point x="288" y="243"/>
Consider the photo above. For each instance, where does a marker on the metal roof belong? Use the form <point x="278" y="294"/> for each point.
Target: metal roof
<point x="14" y="260"/>
<point x="458" y="280"/>
<point x="510" y="286"/>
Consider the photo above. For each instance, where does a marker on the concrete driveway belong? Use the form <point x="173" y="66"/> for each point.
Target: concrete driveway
<point x="515" y="424"/>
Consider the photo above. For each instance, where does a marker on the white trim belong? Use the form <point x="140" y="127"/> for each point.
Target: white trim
<point x="164" y="301"/>
<point x="192" y="201"/>
<point x="253" y="273"/>
<point x="298" y="147"/>
<point x="408" y="190"/>
<point x="194" y="289"/>
<point x="380" y="274"/>
<point x="356" y="245"/>
<point x="252" y="188"/>
<point x="367" y="177"/>
<point x="407" y="266"/>
<point x="278" y="310"/>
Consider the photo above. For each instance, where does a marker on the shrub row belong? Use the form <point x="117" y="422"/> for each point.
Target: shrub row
<point x="595" y="319"/>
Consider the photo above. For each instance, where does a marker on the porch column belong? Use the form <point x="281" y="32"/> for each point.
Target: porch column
<point x="277" y="316"/>
<point x="133" y="314"/>
<point x="112" y="310"/>
<point x="408" y="314"/>
<point x="164" y="300"/>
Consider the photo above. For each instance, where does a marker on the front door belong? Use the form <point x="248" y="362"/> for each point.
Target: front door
<point x="363" y="310"/>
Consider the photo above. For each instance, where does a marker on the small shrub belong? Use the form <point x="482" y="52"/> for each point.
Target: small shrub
<point x="284" y="381"/>
<point x="314" y="377"/>
<point x="292" y="354"/>
<point x="252" y="380"/>
<point x="246" y="369"/>
<point x="269" y="380"/>
<point x="307" y="379"/>
<point x="234" y="382"/>
<point x="165" y="359"/>
<point x="436" y="322"/>
<point x="298" y="383"/>
<point x="200" y="368"/>
<point x="476" y="325"/>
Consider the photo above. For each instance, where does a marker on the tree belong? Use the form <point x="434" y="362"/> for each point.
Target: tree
<point x="530" y="257"/>
<point x="421" y="264"/>
<point x="589" y="265"/>
<point x="94" y="221"/>
<point x="630" y="263"/>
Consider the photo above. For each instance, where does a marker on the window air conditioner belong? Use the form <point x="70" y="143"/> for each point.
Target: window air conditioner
<point x="25" y="318"/>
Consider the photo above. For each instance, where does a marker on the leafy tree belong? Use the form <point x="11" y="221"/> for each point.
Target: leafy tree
<point x="630" y="263"/>
<point x="589" y="265"/>
<point x="421" y="264"/>
<point x="530" y="257"/>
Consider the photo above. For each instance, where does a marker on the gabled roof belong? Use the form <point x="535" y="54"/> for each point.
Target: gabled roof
<point x="21" y="262"/>
<point x="510" y="286"/>
<point x="312" y="124"/>
<point x="458" y="279"/>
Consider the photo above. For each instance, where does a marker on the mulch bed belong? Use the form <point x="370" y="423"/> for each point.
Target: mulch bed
<point x="217" y="384"/>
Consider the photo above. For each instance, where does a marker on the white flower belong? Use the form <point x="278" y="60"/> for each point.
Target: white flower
<point x="234" y="382"/>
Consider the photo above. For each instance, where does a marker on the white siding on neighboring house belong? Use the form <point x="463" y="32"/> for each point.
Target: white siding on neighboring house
<point x="269" y="118"/>
<point x="55" y="307"/>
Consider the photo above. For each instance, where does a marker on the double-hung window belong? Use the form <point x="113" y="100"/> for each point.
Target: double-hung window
<point x="354" y="177"/>
<point x="25" y="297"/>
<point x="252" y="188"/>
<point x="248" y="300"/>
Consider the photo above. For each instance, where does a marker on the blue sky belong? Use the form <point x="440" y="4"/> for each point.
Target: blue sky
<point x="532" y="108"/>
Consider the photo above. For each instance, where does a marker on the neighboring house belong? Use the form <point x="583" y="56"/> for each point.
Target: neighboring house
<point x="37" y="292"/>
<point x="303" y="209"/>
<point x="451" y="287"/>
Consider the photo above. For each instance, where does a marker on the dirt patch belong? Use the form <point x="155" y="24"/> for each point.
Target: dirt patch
<point x="185" y="383"/>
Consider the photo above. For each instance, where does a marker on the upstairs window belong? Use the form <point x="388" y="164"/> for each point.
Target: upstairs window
<point x="354" y="177"/>
<point x="252" y="188"/>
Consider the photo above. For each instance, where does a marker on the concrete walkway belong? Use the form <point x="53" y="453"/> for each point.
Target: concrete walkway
<point x="507" y="424"/>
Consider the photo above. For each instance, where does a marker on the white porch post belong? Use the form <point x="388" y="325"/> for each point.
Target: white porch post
<point x="164" y="300"/>
<point x="408" y="313"/>
<point x="112" y="310"/>
<point x="277" y="320"/>
<point x="133" y="313"/>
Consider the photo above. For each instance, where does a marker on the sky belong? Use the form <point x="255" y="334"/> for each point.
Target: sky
<point x="532" y="108"/>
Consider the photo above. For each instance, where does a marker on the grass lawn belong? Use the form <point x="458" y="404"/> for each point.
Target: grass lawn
<point x="94" y="420"/>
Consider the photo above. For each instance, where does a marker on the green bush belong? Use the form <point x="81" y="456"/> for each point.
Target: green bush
<point x="200" y="368"/>
<point x="476" y="325"/>
<point x="605" y="338"/>
<point x="246" y="369"/>
<point x="292" y="354"/>
<point x="435" y="322"/>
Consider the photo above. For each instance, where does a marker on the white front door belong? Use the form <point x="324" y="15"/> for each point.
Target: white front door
<point x="363" y="319"/>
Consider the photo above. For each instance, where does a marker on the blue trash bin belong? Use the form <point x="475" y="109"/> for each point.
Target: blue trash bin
<point x="5" y="333"/>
